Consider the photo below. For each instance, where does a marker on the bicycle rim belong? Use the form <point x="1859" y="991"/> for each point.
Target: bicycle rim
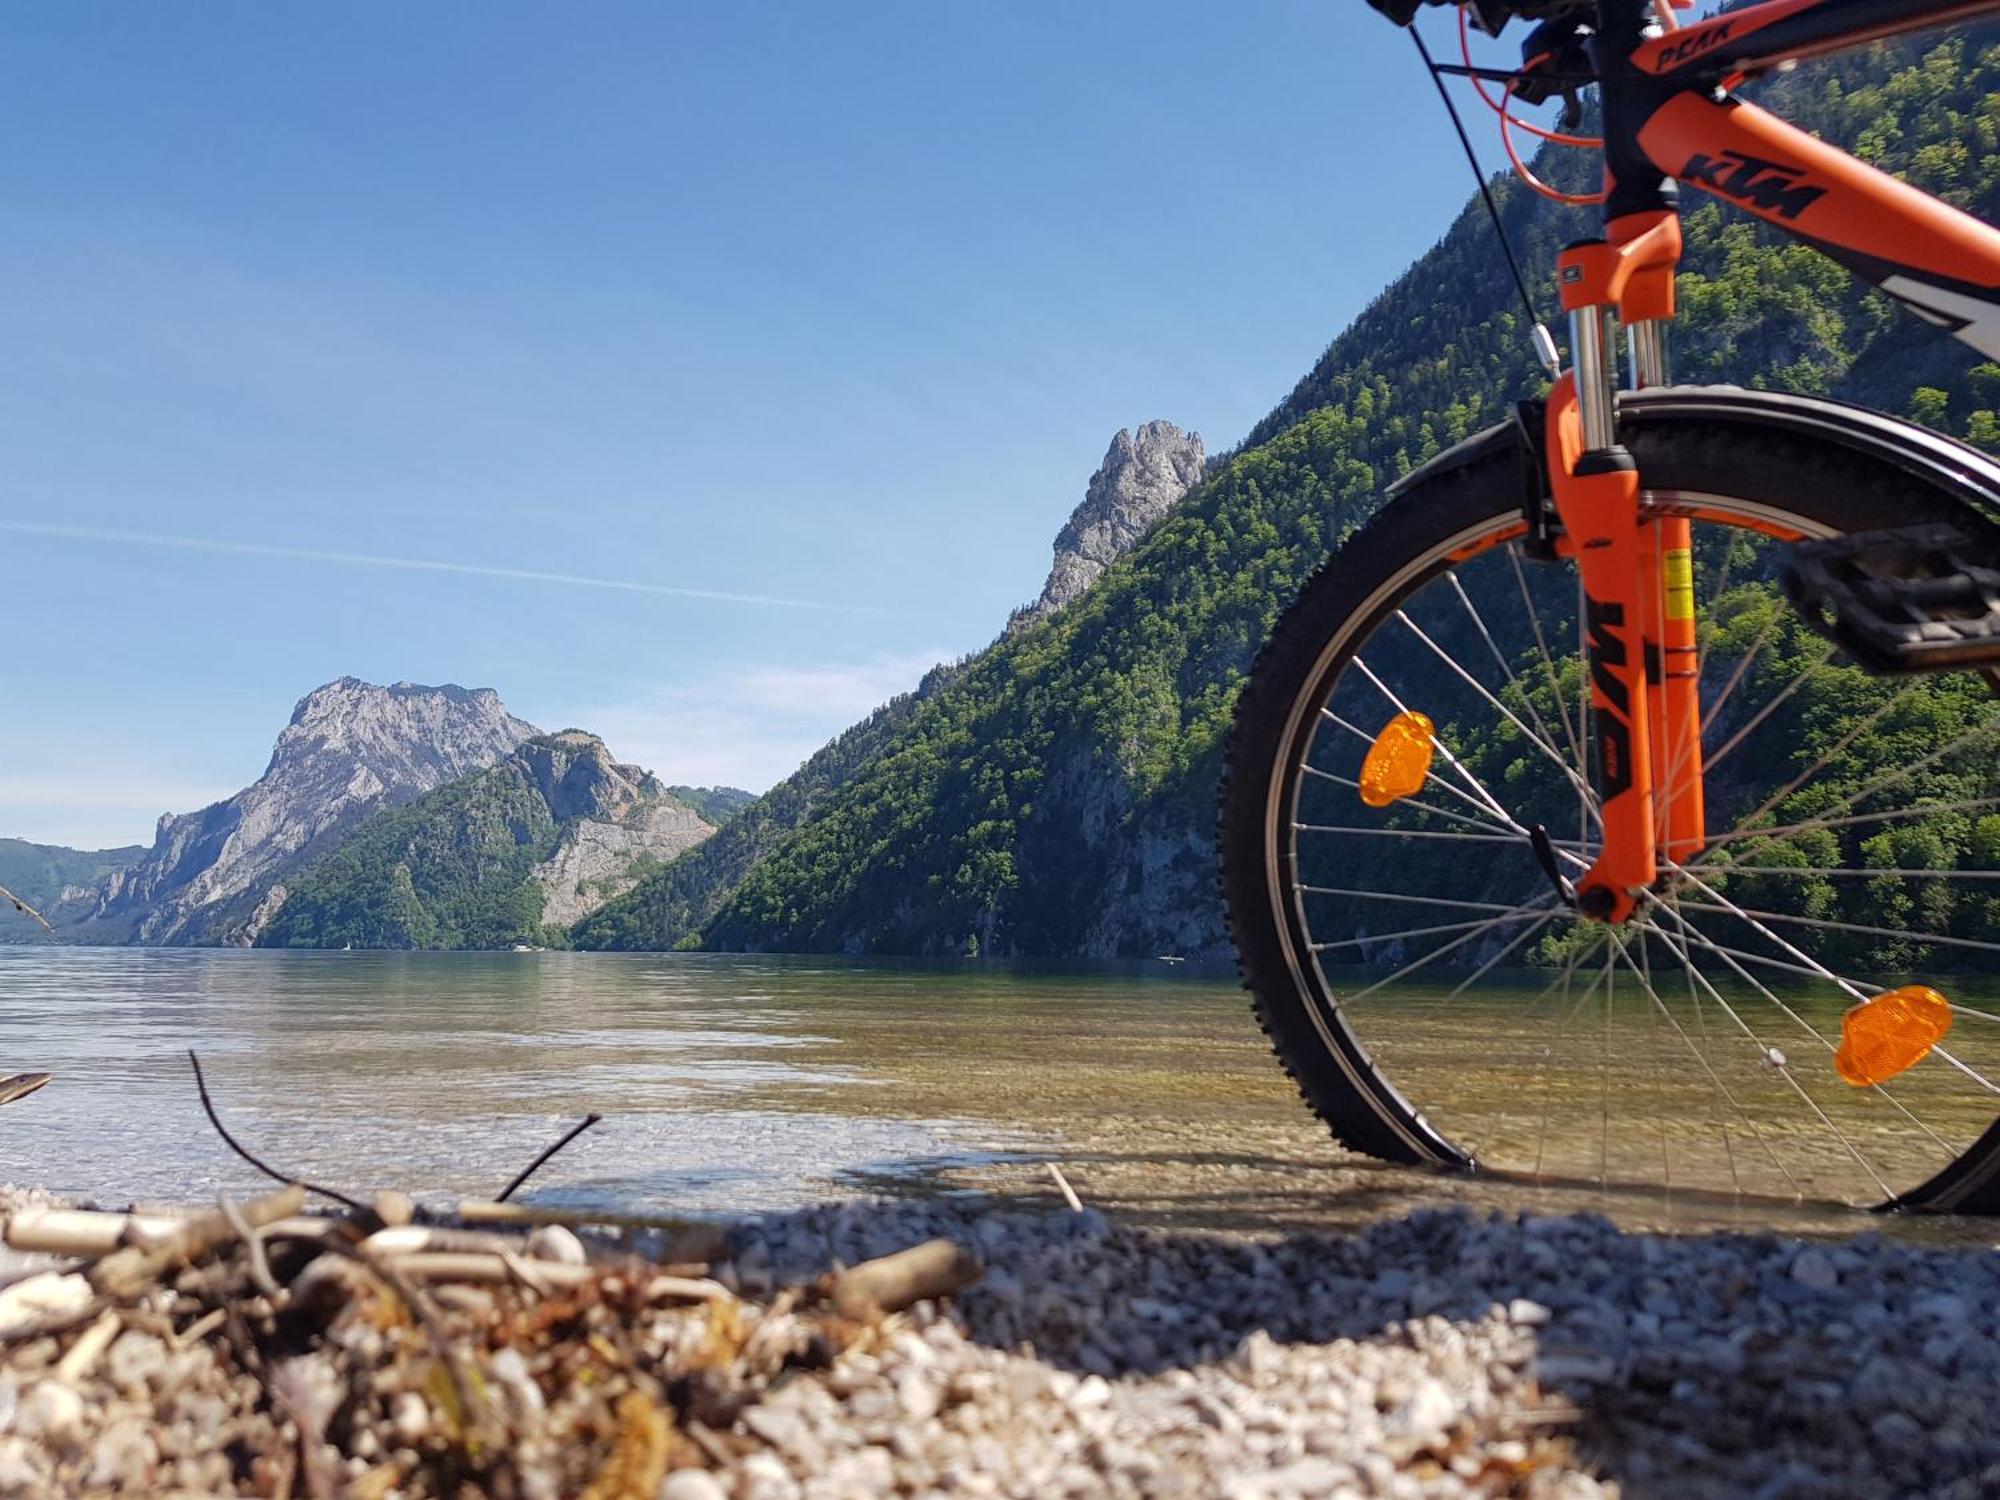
<point x="1694" y="1049"/>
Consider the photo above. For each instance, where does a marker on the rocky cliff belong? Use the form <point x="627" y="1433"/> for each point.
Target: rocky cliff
<point x="619" y="822"/>
<point x="351" y="747"/>
<point x="512" y="854"/>
<point x="1146" y="473"/>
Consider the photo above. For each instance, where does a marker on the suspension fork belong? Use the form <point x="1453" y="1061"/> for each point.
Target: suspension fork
<point x="1637" y="571"/>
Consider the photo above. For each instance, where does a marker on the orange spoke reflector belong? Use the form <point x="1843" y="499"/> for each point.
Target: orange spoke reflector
<point x="1399" y="760"/>
<point x="1890" y="1034"/>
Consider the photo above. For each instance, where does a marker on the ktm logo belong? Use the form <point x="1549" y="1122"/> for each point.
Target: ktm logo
<point x="1692" y="45"/>
<point x="1768" y="186"/>
<point x="1603" y="623"/>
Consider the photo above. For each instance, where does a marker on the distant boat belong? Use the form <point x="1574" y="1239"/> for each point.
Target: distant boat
<point x="527" y="948"/>
<point x="1168" y="958"/>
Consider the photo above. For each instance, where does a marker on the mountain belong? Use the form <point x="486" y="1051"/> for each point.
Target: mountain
<point x="668" y="907"/>
<point x="512" y="854"/>
<point x="47" y="875"/>
<point x="716" y="804"/>
<point x="351" y="747"/>
<point x="1145" y="472"/>
<point x="1057" y="795"/>
<point x="1144" y="475"/>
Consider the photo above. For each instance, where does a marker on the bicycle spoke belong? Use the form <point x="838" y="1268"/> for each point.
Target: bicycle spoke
<point x="1479" y="929"/>
<point x="1783" y="1069"/>
<point x="1436" y="781"/>
<point x="1547" y="750"/>
<point x="1832" y="816"/>
<point x="1854" y="871"/>
<point x="1412" y="833"/>
<point x="1827" y="924"/>
<point x="1443" y="749"/>
<point x="1880" y="1089"/>
<point x="1548" y="662"/>
<point x="1888" y="815"/>
<point x="1411" y="802"/>
<point x="1827" y="756"/>
<point x="1701" y="1058"/>
<point x="1408" y="932"/>
<point x="1766" y="711"/>
<point x="1712" y="713"/>
<point x="1334" y="890"/>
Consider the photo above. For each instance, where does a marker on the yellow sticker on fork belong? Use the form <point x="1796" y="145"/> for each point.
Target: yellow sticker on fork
<point x="1678" y="575"/>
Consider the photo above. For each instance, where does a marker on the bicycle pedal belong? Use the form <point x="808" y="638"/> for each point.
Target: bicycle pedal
<point x="1910" y="599"/>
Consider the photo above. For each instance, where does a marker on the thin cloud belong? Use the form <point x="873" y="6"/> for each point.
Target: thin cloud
<point x="408" y="564"/>
<point x="750" y="726"/>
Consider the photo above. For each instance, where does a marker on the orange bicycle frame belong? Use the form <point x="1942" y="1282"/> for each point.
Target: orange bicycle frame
<point x="1668" y="116"/>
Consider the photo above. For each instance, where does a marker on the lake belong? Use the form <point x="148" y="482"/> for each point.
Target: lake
<point x="727" y="1083"/>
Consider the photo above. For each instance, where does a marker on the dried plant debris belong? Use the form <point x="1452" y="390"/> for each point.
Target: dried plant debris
<point x="252" y="1350"/>
<point x="954" y="1348"/>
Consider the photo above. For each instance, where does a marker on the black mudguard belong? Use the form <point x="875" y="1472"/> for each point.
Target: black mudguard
<point x="1944" y="461"/>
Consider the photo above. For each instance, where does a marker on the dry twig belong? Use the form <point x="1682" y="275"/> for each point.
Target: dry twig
<point x="536" y="1165"/>
<point x="253" y="1246"/>
<point x="266" y="1168"/>
<point x="27" y="910"/>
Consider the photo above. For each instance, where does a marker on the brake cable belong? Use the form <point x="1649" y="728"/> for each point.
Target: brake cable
<point x="1544" y="341"/>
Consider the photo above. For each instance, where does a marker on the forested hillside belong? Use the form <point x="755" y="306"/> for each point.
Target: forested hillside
<point x="509" y="855"/>
<point x="1057" y="796"/>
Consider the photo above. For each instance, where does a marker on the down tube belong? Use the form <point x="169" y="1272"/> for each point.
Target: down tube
<point x="1942" y="264"/>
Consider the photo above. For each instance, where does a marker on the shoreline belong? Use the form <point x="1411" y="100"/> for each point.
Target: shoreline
<point x="1440" y="1353"/>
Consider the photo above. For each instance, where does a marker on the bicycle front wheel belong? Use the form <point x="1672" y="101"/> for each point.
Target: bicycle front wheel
<point x="1414" y="964"/>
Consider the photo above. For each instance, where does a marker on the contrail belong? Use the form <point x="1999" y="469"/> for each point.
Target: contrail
<point x="406" y="564"/>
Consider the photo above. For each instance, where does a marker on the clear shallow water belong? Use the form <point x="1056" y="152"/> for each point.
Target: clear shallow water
<point x="745" y="1083"/>
<point x="440" y="1073"/>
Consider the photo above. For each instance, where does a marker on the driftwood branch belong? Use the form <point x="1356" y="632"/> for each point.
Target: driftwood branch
<point x="241" y="1150"/>
<point x="1069" y="1193"/>
<point x="89" y="1233"/>
<point x="128" y="1272"/>
<point x="935" y="1268"/>
<point x="536" y="1165"/>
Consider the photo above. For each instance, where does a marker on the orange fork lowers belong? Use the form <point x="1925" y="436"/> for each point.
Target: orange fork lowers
<point x="1638" y="587"/>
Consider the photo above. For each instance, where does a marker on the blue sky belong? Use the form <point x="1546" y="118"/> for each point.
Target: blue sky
<point x="831" y="305"/>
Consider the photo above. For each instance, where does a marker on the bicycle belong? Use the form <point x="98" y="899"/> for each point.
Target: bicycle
<point x="1477" y="739"/>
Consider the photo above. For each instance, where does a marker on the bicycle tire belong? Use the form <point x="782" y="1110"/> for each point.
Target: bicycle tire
<point x="1755" y="477"/>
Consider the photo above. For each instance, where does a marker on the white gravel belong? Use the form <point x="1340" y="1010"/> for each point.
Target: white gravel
<point x="1426" y="1356"/>
<point x="1437" y="1355"/>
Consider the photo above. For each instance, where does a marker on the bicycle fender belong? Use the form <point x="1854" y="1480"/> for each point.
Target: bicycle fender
<point x="1945" y="461"/>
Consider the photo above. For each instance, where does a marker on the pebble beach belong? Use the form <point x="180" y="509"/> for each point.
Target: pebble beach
<point x="1443" y="1353"/>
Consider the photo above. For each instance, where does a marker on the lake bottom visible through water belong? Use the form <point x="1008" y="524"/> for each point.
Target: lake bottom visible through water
<point x="728" y="1084"/>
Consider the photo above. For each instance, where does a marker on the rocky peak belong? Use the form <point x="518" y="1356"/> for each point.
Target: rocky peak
<point x="617" y="821"/>
<point x="350" y="747"/>
<point x="578" y="778"/>
<point x="405" y="731"/>
<point x="1144" y="475"/>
